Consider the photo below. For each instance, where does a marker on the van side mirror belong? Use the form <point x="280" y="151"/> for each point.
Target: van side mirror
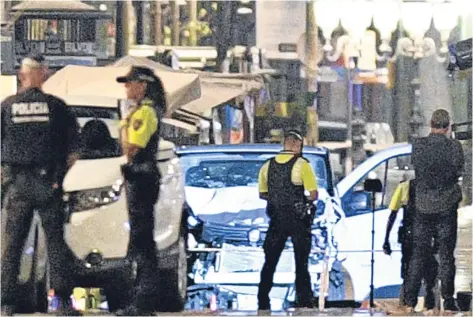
<point x="360" y="201"/>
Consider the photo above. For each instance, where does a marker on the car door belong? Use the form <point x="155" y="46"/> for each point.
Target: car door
<point x="355" y="238"/>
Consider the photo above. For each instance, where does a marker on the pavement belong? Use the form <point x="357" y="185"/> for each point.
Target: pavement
<point x="296" y="312"/>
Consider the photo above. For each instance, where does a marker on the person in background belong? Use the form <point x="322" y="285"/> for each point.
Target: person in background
<point x="283" y="181"/>
<point x="438" y="162"/>
<point x="39" y="145"/>
<point x="404" y="198"/>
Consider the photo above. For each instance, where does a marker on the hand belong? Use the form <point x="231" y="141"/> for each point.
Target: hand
<point x="72" y="159"/>
<point x="387" y="248"/>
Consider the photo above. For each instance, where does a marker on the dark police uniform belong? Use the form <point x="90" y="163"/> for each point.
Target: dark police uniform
<point x="284" y="178"/>
<point x="38" y="134"/>
<point x="142" y="185"/>
<point x="404" y="197"/>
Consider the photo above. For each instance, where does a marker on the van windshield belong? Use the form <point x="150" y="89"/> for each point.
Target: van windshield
<point x="99" y="132"/>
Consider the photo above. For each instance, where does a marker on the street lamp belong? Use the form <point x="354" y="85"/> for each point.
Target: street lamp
<point x="327" y="22"/>
<point x="416" y="17"/>
<point x="385" y="16"/>
<point x="445" y="16"/>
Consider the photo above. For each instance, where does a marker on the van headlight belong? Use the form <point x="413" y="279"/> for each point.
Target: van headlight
<point x="94" y="198"/>
<point x="254" y="235"/>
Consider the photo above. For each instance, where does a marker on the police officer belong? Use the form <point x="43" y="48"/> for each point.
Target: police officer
<point x="140" y="137"/>
<point x="282" y="182"/>
<point x="404" y="197"/>
<point x="39" y="145"/>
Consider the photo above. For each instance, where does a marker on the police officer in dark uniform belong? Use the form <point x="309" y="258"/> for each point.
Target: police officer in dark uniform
<point x="404" y="197"/>
<point x="282" y="182"/>
<point x="140" y="137"/>
<point x="39" y="145"/>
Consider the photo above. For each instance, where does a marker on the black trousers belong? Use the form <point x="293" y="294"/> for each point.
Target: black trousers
<point x="142" y="197"/>
<point x="29" y="190"/>
<point x="429" y="274"/>
<point x="444" y="229"/>
<point x="276" y="237"/>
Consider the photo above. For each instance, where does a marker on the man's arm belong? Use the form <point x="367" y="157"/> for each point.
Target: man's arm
<point x="399" y="197"/>
<point x="309" y="180"/>
<point x="73" y="142"/>
<point x="263" y="181"/>
<point x="68" y="137"/>
<point x="458" y="158"/>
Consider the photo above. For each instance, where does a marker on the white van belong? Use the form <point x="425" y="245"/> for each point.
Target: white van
<point x="97" y="229"/>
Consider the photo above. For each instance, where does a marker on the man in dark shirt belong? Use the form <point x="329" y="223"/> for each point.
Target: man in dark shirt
<point x="438" y="163"/>
<point x="39" y="145"/>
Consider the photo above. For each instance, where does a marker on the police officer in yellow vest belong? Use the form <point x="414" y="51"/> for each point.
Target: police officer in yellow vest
<point x="283" y="181"/>
<point x="140" y="137"/>
<point x="404" y="197"/>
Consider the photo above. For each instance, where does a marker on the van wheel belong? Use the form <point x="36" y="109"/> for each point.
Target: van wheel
<point x="173" y="278"/>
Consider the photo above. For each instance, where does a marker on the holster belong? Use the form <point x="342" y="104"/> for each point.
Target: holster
<point x="404" y="235"/>
<point x="305" y="211"/>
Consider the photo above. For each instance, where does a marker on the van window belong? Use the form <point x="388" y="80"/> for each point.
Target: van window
<point x="99" y="132"/>
<point x="390" y="173"/>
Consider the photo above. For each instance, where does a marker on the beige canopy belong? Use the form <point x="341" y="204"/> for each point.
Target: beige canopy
<point x="128" y="61"/>
<point x="219" y="88"/>
<point x="7" y="86"/>
<point x="101" y="81"/>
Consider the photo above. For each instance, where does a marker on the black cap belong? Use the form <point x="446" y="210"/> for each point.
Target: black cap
<point x="138" y="73"/>
<point x="295" y="134"/>
<point x="34" y="61"/>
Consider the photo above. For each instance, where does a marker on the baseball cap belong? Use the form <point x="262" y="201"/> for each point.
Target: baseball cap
<point x="34" y="61"/>
<point x="294" y="133"/>
<point x="138" y="73"/>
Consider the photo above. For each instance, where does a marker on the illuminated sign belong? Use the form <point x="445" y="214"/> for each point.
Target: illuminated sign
<point x="23" y="48"/>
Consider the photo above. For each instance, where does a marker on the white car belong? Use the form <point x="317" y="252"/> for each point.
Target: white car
<point x="221" y="189"/>
<point x="97" y="230"/>
<point x="353" y="234"/>
<point x="228" y="226"/>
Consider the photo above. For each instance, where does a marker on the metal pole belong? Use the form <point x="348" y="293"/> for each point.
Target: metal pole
<point x="120" y="33"/>
<point x="158" y="21"/>
<point x="193" y="22"/>
<point x="175" y="22"/>
<point x="311" y="46"/>
<point x="373" y="207"/>
<point x="349" y="157"/>
<point x="139" y="22"/>
<point x="126" y="25"/>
